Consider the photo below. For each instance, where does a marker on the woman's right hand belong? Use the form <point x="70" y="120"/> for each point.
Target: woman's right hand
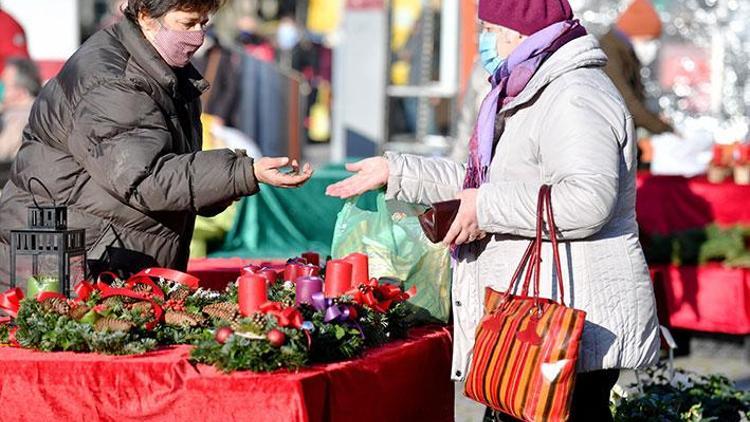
<point x="267" y="171"/>
<point x="370" y="174"/>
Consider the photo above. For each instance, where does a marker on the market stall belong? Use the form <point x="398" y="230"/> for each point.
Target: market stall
<point x="406" y="380"/>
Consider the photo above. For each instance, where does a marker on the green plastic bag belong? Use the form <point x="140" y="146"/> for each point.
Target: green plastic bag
<point x="396" y="246"/>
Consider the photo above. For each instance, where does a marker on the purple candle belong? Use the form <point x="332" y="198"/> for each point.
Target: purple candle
<point x="306" y="287"/>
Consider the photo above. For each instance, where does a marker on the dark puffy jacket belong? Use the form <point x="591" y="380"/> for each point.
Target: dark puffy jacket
<point x="116" y="137"/>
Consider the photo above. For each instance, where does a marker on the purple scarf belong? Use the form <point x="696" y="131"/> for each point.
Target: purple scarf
<point x="507" y="83"/>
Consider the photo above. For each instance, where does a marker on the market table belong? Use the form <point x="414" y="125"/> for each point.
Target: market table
<point x="709" y="298"/>
<point x="407" y="380"/>
<point x="670" y="204"/>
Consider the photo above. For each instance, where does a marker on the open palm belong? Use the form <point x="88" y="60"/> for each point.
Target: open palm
<point x="370" y="174"/>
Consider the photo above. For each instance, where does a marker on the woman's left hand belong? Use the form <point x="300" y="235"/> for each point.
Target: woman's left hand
<point x="465" y="228"/>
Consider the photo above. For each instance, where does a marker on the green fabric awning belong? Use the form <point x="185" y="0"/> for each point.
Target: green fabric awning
<point x="281" y="223"/>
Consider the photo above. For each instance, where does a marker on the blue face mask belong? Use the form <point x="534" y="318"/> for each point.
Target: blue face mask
<point x="491" y="61"/>
<point x="2" y="92"/>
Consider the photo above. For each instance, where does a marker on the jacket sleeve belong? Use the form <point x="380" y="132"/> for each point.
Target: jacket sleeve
<point x="421" y="180"/>
<point x="121" y="138"/>
<point x="642" y="116"/>
<point x="579" y="154"/>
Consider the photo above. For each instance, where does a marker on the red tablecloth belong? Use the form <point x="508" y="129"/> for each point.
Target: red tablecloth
<point x="710" y="298"/>
<point x="404" y="381"/>
<point x="669" y="204"/>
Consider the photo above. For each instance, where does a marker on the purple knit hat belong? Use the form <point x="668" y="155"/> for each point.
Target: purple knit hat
<point x="524" y="16"/>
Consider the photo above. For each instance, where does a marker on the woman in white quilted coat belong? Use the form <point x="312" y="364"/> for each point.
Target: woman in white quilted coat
<point x="554" y="118"/>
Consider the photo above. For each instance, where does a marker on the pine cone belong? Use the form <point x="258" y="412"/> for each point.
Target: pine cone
<point x="56" y="305"/>
<point x="112" y="324"/>
<point x="79" y="311"/>
<point x="144" y="307"/>
<point x="182" y="319"/>
<point x="180" y="294"/>
<point x="226" y="311"/>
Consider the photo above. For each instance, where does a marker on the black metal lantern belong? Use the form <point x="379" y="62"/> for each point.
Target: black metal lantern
<point x="48" y="251"/>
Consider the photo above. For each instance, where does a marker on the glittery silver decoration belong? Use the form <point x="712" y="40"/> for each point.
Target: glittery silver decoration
<point x="709" y="40"/>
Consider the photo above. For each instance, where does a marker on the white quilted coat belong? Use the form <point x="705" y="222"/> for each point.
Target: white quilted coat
<point x="569" y="128"/>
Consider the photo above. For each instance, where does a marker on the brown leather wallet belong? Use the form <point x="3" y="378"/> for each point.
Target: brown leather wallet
<point x="437" y="220"/>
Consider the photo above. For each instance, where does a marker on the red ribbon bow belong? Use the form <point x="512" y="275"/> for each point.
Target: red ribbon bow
<point x="10" y="301"/>
<point x="380" y="296"/>
<point x="285" y="317"/>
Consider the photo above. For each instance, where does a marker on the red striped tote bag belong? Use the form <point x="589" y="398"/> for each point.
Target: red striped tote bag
<point x="526" y="347"/>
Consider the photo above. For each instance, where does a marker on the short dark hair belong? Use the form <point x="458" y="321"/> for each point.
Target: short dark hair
<point x="158" y="8"/>
<point x="27" y="74"/>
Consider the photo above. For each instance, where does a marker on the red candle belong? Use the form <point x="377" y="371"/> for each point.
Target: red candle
<point x="360" y="268"/>
<point x="292" y="271"/>
<point x="251" y="294"/>
<point x="338" y="278"/>
<point x="270" y="275"/>
<point x="312" y="258"/>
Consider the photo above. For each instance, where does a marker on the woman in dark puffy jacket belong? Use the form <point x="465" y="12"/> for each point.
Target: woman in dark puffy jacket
<point x="116" y="137"/>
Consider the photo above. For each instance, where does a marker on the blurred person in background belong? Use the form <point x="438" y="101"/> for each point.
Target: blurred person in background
<point x="631" y="44"/>
<point x="19" y="86"/>
<point x="288" y="36"/>
<point x="254" y="43"/>
<point x="12" y="38"/>
<point x="116" y="138"/>
<point x="221" y="69"/>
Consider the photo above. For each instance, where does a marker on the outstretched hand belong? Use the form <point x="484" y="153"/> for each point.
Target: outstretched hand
<point x="267" y="172"/>
<point x="370" y="174"/>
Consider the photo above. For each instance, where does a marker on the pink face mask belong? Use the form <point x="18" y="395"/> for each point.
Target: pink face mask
<point x="177" y="47"/>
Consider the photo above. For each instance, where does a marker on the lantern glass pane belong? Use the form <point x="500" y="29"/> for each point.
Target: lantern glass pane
<point x="24" y="270"/>
<point x="77" y="266"/>
<point x="48" y="267"/>
<point x="37" y="273"/>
